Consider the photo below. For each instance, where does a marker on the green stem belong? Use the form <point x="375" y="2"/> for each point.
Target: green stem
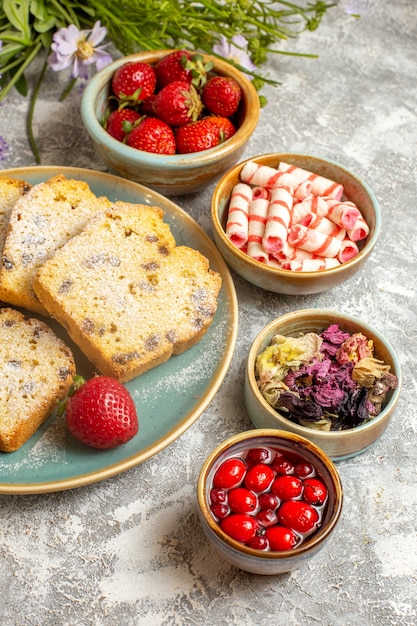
<point x="20" y="71"/>
<point x="32" y="140"/>
<point x="67" y="90"/>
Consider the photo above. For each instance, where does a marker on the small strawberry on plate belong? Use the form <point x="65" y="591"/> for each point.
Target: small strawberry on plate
<point x="177" y="103"/>
<point x="100" y="412"/>
<point x="221" y="95"/>
<point x="152" y="135"/>
<point x="133" y="82"/>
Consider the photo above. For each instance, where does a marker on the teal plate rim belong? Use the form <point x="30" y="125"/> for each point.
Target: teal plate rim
<point x="169" y="398"/>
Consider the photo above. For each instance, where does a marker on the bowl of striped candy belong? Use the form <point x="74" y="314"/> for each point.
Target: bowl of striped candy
<point x="294" y="224"/>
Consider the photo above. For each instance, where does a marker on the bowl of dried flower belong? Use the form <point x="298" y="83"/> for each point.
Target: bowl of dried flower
<point x="326" y="376"/>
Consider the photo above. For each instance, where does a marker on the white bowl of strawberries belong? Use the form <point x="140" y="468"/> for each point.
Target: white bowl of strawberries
<point x="171" y="120"/>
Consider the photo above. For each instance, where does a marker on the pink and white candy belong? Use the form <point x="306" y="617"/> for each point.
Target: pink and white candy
<point x="321" y="186"/>
<point x="310" y="265"/>
<point x="313" y="241"/>
<point x="258" y="212"/>
<point x="269" y="177"/>
<point x="237" y="225"/>
<point x="278" y="219"/>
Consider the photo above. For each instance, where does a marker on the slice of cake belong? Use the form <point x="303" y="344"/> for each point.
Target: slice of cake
<point x="41" y="221"/>
<point x="11" y="190"/>
<point x="37" y="369"/>
<point x="128" y="297"/>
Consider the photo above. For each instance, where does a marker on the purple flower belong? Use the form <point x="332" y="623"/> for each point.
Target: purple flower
<point x="328" y="394"/>
<point x="236" y="50"/>
<point x="333" y="337"/>
<point x="80" y="49"/>
<point x="324" y="383"/>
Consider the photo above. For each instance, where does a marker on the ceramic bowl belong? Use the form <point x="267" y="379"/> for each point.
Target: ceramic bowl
<point x="294" y="448"/>
<point x="169" y="174"/>
<point x="339" y="444"/>
<point x="286" y="281"/>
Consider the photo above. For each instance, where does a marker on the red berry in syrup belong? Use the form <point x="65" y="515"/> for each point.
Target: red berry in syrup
<point x="220" y="510"/>
<point x="298" y="515"/>
<point x="218" y="496"/>
<point x="242" y="500"/>
<point x="268" y="501"/>
<point x="259" y="542"/>
<point x="240" y="526"/>
<point x="315" y="492"/>
<point x="230" y="473"/>
<point x="281" y="538"/>
<point x="282" y="465"/>
<point x="259" y="478"/>
<point x="287" y="487"/>
<point x="304" y="469"/>
<point x="267" y="518"/>
<point x="258" y="455"/>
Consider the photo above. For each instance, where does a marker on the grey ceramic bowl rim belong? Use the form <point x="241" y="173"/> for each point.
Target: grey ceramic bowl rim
<point x="303" y="431"/>
<point x="274" y="271"/>
<point x="99" y="81"/>
<point x="320" y="536"/>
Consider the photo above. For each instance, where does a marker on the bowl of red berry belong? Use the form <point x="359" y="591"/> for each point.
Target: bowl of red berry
<point x="294" y="223"/>
<point x="326" y="376"/>
<point x="268" y="500"/>
<point x="173" y="120"/>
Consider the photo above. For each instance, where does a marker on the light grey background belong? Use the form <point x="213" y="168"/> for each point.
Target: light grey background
<point x="130" y="551"/>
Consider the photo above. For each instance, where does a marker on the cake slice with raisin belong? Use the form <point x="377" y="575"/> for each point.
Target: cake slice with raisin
<point x="11" y="189"/>
<point x="37" y="368"/>
<point x="126" y="294"/>
<point x="41" y="221"/>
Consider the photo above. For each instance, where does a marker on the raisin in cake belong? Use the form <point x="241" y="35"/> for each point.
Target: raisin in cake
<point x="37" y="369"/>
<point x="11" y="190"/>
<point x="127" y="297"/>
<point x="40" y="222"/>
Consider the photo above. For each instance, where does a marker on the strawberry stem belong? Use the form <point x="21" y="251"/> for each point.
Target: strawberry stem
<point x="77" y="382"/>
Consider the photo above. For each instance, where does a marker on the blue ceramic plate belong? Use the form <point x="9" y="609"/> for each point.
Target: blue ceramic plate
<point x="169" y="398"/>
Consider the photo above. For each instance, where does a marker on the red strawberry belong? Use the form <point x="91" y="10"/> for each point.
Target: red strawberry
<point x="147" y="107"/>
<point x="177" y="103"/>
<point x="182" y="65"/>
<point x="197" y="136"/>
<point x="152" y="135"/>
<point x="226" y="127"/>
<point x="172" y="67"/>
<point x="134" y="81"/>
<point x="221" y="95"/>
<point x="101" y="412"/>
<point x="119" y="123"/>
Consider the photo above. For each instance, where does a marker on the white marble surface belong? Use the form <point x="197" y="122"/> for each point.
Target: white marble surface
<point x="130" y="550"/>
